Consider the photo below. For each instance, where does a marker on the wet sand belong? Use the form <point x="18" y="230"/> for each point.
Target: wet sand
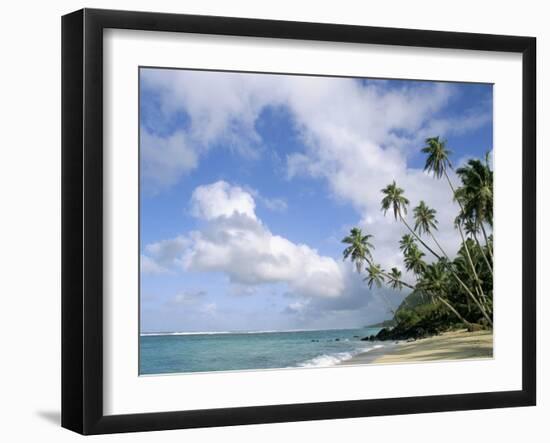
<point x="455" y="345"/>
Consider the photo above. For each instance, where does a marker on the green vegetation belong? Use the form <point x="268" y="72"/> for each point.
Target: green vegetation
<point x="446" y="291"/>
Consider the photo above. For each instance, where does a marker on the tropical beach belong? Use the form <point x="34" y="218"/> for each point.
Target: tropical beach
<point x="292" y="221"/>
<point x="455" y="345"/>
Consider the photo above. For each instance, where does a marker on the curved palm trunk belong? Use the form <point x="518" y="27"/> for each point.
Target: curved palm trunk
<point x="438" y="245"/>
<point x="438" y="297"/>
<point x="489" y="248"/>
<point x="483" y="311"/>
<point x="447" y="257"/>
<point x="399" y="281"/>
<point x="418" y="237"/>
<point x="453" y="310"/>
<point x="464" y="241"/>
<point x="384" y="274"/>
<point x="483" y="254"/>
<point x="478" y="286"/>
<point x="470" y="261"/>
<point x="474" y="298"/>
<point x="469" y="292"/>
<point x="402" y="283"/>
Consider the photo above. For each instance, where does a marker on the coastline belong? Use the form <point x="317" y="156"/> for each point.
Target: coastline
<point x="454" y="345"/>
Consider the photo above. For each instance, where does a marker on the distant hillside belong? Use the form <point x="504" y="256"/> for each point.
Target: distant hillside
<point x="413" y="300"/>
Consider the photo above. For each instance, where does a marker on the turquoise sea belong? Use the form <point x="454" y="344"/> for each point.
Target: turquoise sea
<point x="176" y="352"/>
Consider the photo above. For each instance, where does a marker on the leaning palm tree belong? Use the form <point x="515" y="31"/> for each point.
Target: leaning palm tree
<point x="394" y="279"/>
<point x="462" y="269"/>
<point x="360" y="252"/>
<point x="375" y="275"/>
<point x="437" y="163"/>
<point x="414" y="260"/>
<point x="395" y="200"/>
<point x="477" y="191"/>
<point x="406" y="243"/>
<point x="476" y="195"/>
<point x="424" y="218"/>
<point x="435" y="281"/>
<point x="438" y="157"/>
<point x="471" y="228"/>
<point x="425" y="223"/>
<point x="359" y="249"/>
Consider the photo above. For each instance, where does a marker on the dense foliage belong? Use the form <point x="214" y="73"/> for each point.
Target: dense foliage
<point x="446" y="290"/>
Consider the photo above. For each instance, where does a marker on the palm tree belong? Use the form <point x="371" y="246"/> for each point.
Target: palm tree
<point x="360" y="252"/>
<point x="438" y="157"/>
<point x="437" y="163"/>
<point x="406" y="243"/>
<point x="413" y="260"/>
<point x="394" y="199"/>
<point x="462" y="269"/>
<point x="413" y="257"/>
<point x="425" y="222"/>
<point x="476" y="195"/>
<point x="359" y="248"/>
<point x="435" y="281"/>
<point x="477" y="191"/>
<point x="394" y="279"/>
<point x="424" y="218"/>
<point x="435" y="278"/>
<point x="472" y="229"/>
<point x="375" y="275"/>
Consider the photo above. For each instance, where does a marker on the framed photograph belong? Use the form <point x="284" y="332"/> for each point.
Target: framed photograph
<point x="268" y="221"/>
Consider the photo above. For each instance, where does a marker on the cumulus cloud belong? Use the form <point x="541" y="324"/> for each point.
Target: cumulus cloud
<point x="356" y="136"/>
<point x="234" y="241"/>
<point x="223" y="109"/>
<point x="220" y="199"/>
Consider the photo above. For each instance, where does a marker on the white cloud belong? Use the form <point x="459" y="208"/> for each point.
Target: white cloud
<point x="234" y="241"/>
<point x="347" y="127"/>
<point x="221" y="200"/>
<point x="357" y="138"/>
<point x="218" y="104"/>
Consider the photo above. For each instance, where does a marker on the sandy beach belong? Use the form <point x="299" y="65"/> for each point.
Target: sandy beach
<point x="455" y="345"/>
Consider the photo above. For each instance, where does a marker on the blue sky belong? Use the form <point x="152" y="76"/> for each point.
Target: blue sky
<point x="249" y="182"/>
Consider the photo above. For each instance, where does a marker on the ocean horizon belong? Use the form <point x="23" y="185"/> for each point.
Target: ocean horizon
<point x="209" y="351"/>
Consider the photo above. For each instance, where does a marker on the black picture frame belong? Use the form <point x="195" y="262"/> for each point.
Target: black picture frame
<point x="82" y="218"/>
